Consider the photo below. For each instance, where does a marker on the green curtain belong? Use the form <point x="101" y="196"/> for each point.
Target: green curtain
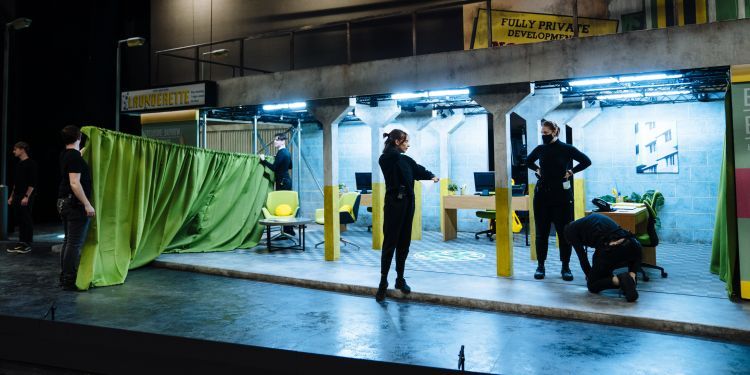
<point x="724" y="248"/>
<point x="152" y="197"/>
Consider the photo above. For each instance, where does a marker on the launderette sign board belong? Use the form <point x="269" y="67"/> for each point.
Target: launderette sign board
<point x="183" y="96"/>
<point x="521" y="28"/>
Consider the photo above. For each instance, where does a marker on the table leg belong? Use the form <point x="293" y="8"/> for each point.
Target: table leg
<point x="268" y="237"/>
<point x="301" y="229"/>
<point x="450" y="224"/>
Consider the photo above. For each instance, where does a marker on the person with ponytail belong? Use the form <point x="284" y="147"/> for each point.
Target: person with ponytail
<point x="400" y="172"/>
<point x="553" y="195"/>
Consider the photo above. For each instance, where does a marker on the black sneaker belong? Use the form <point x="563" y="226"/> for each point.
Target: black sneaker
<point x="627" y="285"/>
<point x="402" y="285"/>
<point x="380" y="295"/>
<point x="539" y="274"/>
<point x="566" y="274"/>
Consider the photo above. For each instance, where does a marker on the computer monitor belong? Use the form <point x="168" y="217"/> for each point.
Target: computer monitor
<point x="484" y="182"/>
<point x="364" y="181"/>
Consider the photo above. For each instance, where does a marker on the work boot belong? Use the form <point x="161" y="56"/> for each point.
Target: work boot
<point x="627" y="285"/>
<point x="539" y="274"/>
<point x="380" y="295"/>
<point x="402" y="285"/>
<point x="566" y="274"/>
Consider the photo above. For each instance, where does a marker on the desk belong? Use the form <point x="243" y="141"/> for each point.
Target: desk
<point x="636" y="221"/>
<point x="633" y="220"/>
<point x="299" y="222"/>
<point x="452" y="203"/>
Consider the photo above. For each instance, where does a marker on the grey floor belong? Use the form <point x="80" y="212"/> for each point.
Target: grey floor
<point x="278" y="316"/>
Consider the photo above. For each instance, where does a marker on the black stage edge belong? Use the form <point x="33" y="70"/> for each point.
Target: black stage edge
<point x="108" y="350"/>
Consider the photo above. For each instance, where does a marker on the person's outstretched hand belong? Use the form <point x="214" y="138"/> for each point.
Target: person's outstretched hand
<point x="435" y="179"/>
<point x="262" y="156"/>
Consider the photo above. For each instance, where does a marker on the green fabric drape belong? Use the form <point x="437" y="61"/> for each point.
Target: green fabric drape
<point x="152" y="197"/>
<point x="724" y="248"/>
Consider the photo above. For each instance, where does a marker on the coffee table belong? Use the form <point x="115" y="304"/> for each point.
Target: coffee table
<point x="299" y="222"/>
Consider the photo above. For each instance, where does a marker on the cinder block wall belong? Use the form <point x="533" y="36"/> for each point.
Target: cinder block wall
<point x="690" y="195"/>
<point x="468" y="153"/>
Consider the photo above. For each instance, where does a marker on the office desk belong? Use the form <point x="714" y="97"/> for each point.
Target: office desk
<point x="452" y="203"/>
<point x="635" y="221"/>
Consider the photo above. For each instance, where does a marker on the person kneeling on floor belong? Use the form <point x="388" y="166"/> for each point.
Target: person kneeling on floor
<point x="615" y="248"/>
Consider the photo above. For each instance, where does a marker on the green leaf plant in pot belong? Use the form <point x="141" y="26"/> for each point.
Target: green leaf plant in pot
<point x="452" y="188"/>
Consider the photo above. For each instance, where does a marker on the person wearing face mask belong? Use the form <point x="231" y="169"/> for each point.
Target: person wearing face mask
<point x="553" y="196"/>
<point x="400" y="172"/>
<point x="614" y="246"/>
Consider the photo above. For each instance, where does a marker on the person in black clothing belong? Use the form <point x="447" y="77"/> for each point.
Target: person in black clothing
<point x="399" y="172"/>
<point x="281" y="166"/>
<point x="22" y="197"/>
<point x="553" y="196"/>
<point x="615" y="248"/>
<point x="73" y="205"/>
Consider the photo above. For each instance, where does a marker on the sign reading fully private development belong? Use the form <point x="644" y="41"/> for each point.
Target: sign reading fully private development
<point x="184" y="96"/>
<point x="520" y="28"/>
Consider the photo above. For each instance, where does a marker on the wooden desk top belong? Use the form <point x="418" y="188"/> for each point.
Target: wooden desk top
<point x="452" y="202"/>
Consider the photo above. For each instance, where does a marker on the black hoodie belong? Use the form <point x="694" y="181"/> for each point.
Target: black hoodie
<point x="400" y="170"/>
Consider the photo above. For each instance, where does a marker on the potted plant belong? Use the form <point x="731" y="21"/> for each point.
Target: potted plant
<point x="343" y="188"/>
<point x="452" y="188"/>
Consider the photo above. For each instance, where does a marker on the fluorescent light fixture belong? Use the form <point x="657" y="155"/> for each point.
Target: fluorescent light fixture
<point x="668" y="93"/>
<point x="456" y="92"/>
<point x="408" y="95"/>
<point x="217" y="52"/>
<point x="648" y="77"/>
<point x="275" y="107"/>
<point x="620" y="96"/>
<point x="592" y="81"/>
<point x="60" y="236"/>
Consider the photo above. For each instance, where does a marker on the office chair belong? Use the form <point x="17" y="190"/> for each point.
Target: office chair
<point x="490" y="215"/>
<point x="281" y="204"/>
<point x="348" y="213"/>
<point x="650" y="239"/>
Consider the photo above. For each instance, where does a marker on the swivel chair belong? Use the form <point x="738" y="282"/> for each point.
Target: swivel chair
<point x="649" y="239"/>
<point x="348" y="213"/>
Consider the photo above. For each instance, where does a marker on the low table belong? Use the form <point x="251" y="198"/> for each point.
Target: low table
<point x="299" y="222"/>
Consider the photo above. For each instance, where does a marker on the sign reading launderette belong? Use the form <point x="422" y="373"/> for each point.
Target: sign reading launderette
<point x="184" y="96"/>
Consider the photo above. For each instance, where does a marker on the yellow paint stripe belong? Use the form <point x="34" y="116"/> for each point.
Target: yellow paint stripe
<point x="740" y="73"/>
<point x="661" y="13"/>
<point x="680" y="6"/>
<point x="503" y="232"/>
<point x="331" y="222"/>
<point x="701" y="15"/>
<point x="579" y="200"/>
<point x="378" y="201"/>
<point x="444" y="182"/>
<point x="745" y="289"/>
<point x="416" y="223"/>
<point x="532" y="226"/>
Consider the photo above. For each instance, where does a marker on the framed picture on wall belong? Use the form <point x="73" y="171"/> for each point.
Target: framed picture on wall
<point x="656" y="147"/>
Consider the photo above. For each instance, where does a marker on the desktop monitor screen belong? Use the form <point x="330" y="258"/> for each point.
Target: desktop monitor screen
<point x="484" y="182"/>
<point x="364" y="181"/>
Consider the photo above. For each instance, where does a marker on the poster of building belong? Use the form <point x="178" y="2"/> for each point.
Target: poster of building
<point x="656" y="147"/>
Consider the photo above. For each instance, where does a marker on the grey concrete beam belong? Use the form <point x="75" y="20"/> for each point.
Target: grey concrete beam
<point x="686" y="47"/>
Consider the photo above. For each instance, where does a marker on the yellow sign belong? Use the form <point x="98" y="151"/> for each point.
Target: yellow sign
<point x="521" y="28"/>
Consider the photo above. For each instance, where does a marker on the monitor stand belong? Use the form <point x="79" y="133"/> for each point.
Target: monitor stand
<point x="485" y="192"/>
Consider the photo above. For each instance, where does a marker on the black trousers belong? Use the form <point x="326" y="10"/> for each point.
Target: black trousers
<point x="604" y="262"/>
<point x="23" y="217"/>
<point x="545" y="214"/>
<point x="285" y="184"/>
<point x="397" y="221"/>
<point x="76" y="225"/>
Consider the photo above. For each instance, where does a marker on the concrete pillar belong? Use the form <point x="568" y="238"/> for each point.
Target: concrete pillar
<point x="532" y="109"/>
<point x="330" y="112"/>
<point x="499" y="102"/>
<point x="377" y="118"/>
<point x="578" y="122"/>
<point x="445" y="127"/>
